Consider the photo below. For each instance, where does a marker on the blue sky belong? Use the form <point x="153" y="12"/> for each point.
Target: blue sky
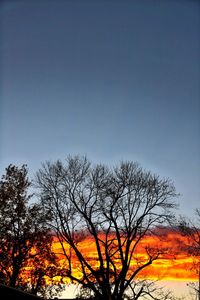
<point x="109" y="79"/>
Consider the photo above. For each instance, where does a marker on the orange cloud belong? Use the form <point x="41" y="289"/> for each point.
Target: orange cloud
<point x="176" y="264"/>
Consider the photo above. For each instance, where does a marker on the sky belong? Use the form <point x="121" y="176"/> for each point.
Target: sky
<point x="170" y="273"/>
<point x="113" y="80"/>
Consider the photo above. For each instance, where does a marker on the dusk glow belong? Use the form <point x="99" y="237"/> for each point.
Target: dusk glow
<point x="175" y="265"/>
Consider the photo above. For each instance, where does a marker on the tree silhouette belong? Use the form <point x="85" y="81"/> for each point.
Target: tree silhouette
<point x="191" y="229"/>
<point x="116" y="207"/>
<point x="25" y="240"/>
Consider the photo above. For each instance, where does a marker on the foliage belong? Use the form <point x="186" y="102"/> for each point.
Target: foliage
<point x="117" y="207"/>
<point x="25" y="241"/>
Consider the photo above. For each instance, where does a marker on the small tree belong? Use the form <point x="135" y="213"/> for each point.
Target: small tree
<point x="25" y="240"/>
<point x="191" y="229"/>
<point x="115" y="207"/>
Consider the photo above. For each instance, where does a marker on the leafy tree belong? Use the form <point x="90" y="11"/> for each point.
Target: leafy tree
<point x="116" y="207"/>
<point x="25" y="240"/>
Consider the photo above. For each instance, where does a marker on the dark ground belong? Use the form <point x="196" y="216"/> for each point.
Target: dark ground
<point x="7" y="293"/>
<point x="11" y="293"/>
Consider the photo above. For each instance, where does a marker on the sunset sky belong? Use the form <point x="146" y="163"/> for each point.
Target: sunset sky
<point x="176" y="264"/>
<point x="110" y="79"/>
<point x="173" y="270"/>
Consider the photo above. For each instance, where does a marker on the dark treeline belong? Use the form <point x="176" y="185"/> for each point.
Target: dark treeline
<point x="125" y="203"/>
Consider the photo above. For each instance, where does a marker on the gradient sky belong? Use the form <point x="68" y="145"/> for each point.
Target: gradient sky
<point x="110" y="79"/>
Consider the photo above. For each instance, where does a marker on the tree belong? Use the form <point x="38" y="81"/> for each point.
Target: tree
<point x="25" y="240"/>
<point x="191" y="230"/>
<point x="116" y="207"/>
<point x="144" y="289"/>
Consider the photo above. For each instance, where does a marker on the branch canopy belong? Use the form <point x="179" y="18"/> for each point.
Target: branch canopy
<point x="116" y="206"/>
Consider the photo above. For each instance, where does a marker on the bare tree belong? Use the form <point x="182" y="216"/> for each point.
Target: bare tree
<point x="117" y="207"/>
<point x="191" y="230"/>
<point x="25" y="240"/>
